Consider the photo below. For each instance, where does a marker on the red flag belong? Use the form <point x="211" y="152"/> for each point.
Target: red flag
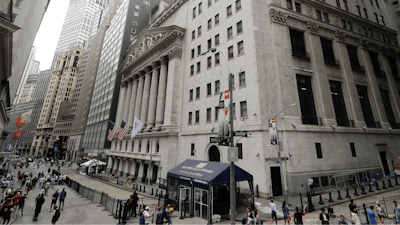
<point x="226" y="94"/>
<point x="17" y="134"/>
<point x="19" y="122"/>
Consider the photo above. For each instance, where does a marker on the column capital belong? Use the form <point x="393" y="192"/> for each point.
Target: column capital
<point x="154" y="64"/>
<point x="363" y="43"/>
<point x="340" y="36"/>
<point x="312" y="27"/>
<point x="277" y="17"/>
<point x="163" y="60"/>
<point x="382" y="49"/>
<point x="148" y="69"/>
<point x="141" y="73"/>
<point x="175" y="53"/>
<point x="124" y="84"/>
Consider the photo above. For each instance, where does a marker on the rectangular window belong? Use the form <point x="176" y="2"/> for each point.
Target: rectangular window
<point x="240" y="150"/>
<point x="355" y="63"/>
<point x="338" y="3"/>
<point x="136" y="13"/>
<point x="217" y="87"/>
<point x="298" y="7"/>
<point x="209" y="62"/>
<point x="289" y="4"/>
<point x="240" y="48"/>
<point x="229" y="11"/>
<point x="209" y="3"/>
<point x="209" y="115"/>
<point x="365" y="13"/>
<point x="191" y="95"/>
<point x="376" y="18"/>
<point x="194" y="12"/>
<point x="358" y="10"/>
<point x="350" y="25"/>
<point x="216" y="58"/>
<point x="383" y="21"/>
<point x="192" y="53"/>
<point x="209" y="89"/>
<point x="238" y="5"/>
<point x="377" y="3"/>
<point x="372" y="2"/>
<point x="208" y="44"/>
<point x="326" y="17"/>
<point x="199" y="50"/>
<point x="346" y="6"/>
<point x="243" y="109"/>
<point x="338" y="103"/>
<point x="192" y="70"/>
<point x="200" y="8"/>
<point x="327" y="49"/>
<point x="190" y="118"/>
<point x="192" y="150"/>
<point x="393" y="68"/>
<point x="344" y="24"/>
<point x="319" y="150"/>
<point x="217" y="40"/>
<point x="370" y="34"/>
<point x="375" y="64"/>
<point x="239" y="27"/>
<point x="217" y="19"/>
<point x="365" y="32"/>
<point x="230" y="33"/>
<point x="234" y="110"/>
<point x="230" y="52"/>
<point x="193" y="35"/>
<point x="209" y="24"/>
<point x="198" y="93"/>
<point x="319" y="15"/>
<point x="197" y="116"/>
<point x="388" y="108"/>
<point x="199" y="31"/>
<point x="216" y="113"/>
<point x="198" y="67"/>
<point x="366" y="106"/>
<point x="242" y="79"/>
<point x="306" y="97"/>
<point x="298" y="46"/>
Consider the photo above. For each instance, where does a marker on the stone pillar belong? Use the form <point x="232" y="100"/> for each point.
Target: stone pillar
<point x="120" y="166"/>
<point x="113" y="145"/>
<point x="129" y="146"/>
<point x="162" y="86"/>
<point x="151" y="118"/>
<point x="138" y="103"/>
<point x="145" y="98"/>
<point x="126" y="103"/>
<point x="133" y="166"/>
<point x="323" y="98"/>
<point x="375" y="99"/>
<point x="109" y="165"/>
<point x="131" y="115"/>
<point x="121" y="104"/>
<point x="141" y="168"/>
<point x="115" y="166"/>
<point x="349" y="85"/>
<point x="126" y="168"/>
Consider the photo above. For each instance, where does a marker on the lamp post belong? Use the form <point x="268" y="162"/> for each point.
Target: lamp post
<point x="279" y="148"/>
<point x="231" y="143"/>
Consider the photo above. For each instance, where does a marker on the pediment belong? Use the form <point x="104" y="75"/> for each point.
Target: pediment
<point x="149" y="41"/>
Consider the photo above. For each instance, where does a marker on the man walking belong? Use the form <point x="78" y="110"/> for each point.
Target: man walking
<point x="273" y="212"/>
<point x="63" y="194"/>
<point x="311" y="185"/>
<point x="396" y="209"/>
<point x="135" y="199"/>
<point x="354" y="213"/>
<point x="54" y="200"/>
<point x="147" y="215"/>
<point x="21" y="204"/>
<point x="39" y="202"/>
<point x="324" y="217"/>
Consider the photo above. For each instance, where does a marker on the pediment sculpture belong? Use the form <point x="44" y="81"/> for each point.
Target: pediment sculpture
<point x="146" y="43"/>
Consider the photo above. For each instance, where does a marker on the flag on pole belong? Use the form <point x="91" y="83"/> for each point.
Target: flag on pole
<point x="17" y="134"/>
<point x="124" y="130"/>
<point x="26" y="117"/>
<point x="137" y="125"/>
<point x="113" y="130"/>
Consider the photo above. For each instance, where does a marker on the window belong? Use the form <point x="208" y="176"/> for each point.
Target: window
<point x="338" y="103"/>
<point x="216" y="19"/>
<point x="200" y="7"/>
<point x="319" y="15"/>
<point x="238" y="5"/>
<point x="387" y="39"/>
<point x="192" y="150"/>
<point x="234" y="110"/>
<point x="209" y="89"/>
<point x="216" y="59"/>
<point x="198" y="93"/>
<point x="365" y="13"/>
<point x="243" y="109"/>
<point x="209" y="26"/>
<point x="209" y="115"/>
<point x="306" y="97"/>
<point x="344" y="24"/>
<point x="208" y="44"/>
<point x="346" y="6"/>
<point x="134" y="23"/>
<point x="197" y="116"/>
<point x="191" y="95"/>
<point x="217" y="87"/>
<point x="358" y="10"/>
<point x="216" y="113"/>
<point x="194" y="12"/>
<point x="372" y="2"/>
<point x="298" y="47"/>
<point x="319" y="150"/>
<point x="233" y="82"/>
<point x="370" y="34"/>
<point x="338" y="3"/>
<point x="366" y="106"/>
<point x="376" y="17"/>
<point x="327" y="49"/>
<point x="326" y="17"/>
<point x="190" y="118"/>
<point x="230" y="33"/>
<point x="289" y="4"/>
<point x="18" y="3"/>
<point x="137" y="6"/>
<point x="383" y="21"/>
<point x="240" y="150"/>
<point x="199" y="31"/>
<point x="217" y="40"/>
<point x="199" y="50"/>
<point x="375" y="64"/>
<point x="229" y="11"/>
<point x="192" y="53"/>
<point x="365" y="31"/>
<point x="209" y="3"/>
<point x="388" y="108"/>
<point x="350" y="25"/>
<point x="192" y="70"/>
<point x="393" y="68"/>
<point x="298" y="7"/>
<point x="355" y="64"/>
<point x="230" y="52"/>
<point x="209" y="62"/>
<point x="198" y="67"/>
<point x="242" y="79"/>
<point x="136" y="13"/>
<point x="377" y="3"/>
<point x="240" y="48"/>
<point x="239" y="27"/>
<point x="193" y="35"/>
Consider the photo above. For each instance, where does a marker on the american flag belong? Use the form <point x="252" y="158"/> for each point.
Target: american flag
<point x="111" y="133"/>
<point x="124" y="130"/>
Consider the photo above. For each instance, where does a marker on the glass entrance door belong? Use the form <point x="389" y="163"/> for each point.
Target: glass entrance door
<point x="184" y="200"/>
<point x="200" y="203"/>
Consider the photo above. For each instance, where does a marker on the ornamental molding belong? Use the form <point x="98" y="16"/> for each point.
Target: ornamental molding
<point x="363" y="43"/>
<point x="382" y="49"/>
<point x="340" y="35"/>
<point x="312" y="27"/>
<point x="168" y="12"/>
<point x="277" y="16"/>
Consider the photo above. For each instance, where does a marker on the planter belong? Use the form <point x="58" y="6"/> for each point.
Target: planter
<point x="114" y="181"/>
<point x="129" y="185"/>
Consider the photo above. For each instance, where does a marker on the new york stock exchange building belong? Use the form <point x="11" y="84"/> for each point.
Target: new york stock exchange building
<point x="344" y="82"/>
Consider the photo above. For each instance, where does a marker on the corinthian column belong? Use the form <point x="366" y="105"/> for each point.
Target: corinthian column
<point x="126" y="103"/>
<point x="121" y="103"/>
<point x="131" y="114"/>
<point x="153" y="97"/>
<point x="146" y="95"/>
<point x="139" y="95"/>
<point x="161" y="93"/>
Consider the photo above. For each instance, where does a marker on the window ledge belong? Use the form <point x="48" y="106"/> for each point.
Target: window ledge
<point x="197" y="99"/>
<point x="209" y="29"/>
<point x="229" y="59"/>
<point x="198" y="72"/>
<point x="240" y="54"/>
<point x="209" y="67"/>
<point x="230" y="38"/>
<point x="229" y="16"/>
<point x="243" y="86"/>
<point x="217" y="45"/>
<point x="216" y="24"/>
<point x="238" y="10"/>
<point x="239" y="33"/>
<point x="209" y="96"/>
<point x="190" y="100"/>
<point x="208" y="121"/>
<point x="216" y="65"/>
<point x="190" y="124"/>
<point x="197" y="123"/>
<point x="244" y="117"/>
<point x="198" y="36"/>
<point x="192" y="75"/>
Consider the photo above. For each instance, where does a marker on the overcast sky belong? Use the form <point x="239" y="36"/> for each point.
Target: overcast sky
<point x="49" y="31"/>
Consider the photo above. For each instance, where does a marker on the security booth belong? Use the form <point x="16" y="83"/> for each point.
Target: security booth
<point x="201" y="188"/>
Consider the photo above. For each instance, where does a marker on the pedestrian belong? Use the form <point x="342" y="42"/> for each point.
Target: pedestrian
<point x="298" y="216"/>
<point x="342" y="220"/>
<point x="135" y="199"/>
<point x="286" y="215"/>
<point x="48" y="171"/>
<point x="54" y="200"/>
<point x="257" y="218"/>
<point x="169" y="211"/>
<point x="311" y="185"/>
<point x="380" y="212"/>
<point x="249" y="216"/>
<point x="371" y="215"/>
<point x="354" y="212"/>
<point x="21" y="204"/>
<point x="159" y="216"/>
<point x="39" y="202"/>
<point x="273" y="212"/>
<point x="147" y="216"/>
<point x="56" y="215"/>
<point x="7" y="213"/>
<point x="63" y="194"/>
<point x="396" y="211"/>
<point x="324" y="217"/>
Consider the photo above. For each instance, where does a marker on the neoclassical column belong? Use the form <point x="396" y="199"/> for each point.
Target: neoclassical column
<point x="151" y="118"/>
<point x="139" y="95"/>
<point x="126" y="168"/>
<point x="126" y="103"/>
<point x="109" y="165"/>
<point x="121" y="103"/>
<point x="115" y="165"/>
<point x="146" y="95"/>
<point x="133" y="166"/>
<point x="120" y="166"/>
<point x="131" y="115"/>
<point x="162" y="87"/>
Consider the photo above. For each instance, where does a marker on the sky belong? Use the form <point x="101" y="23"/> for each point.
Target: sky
<point x="49" y="31"/>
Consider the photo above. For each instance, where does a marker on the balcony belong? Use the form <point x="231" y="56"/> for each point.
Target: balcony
<point x="332" y="62"/>
<point x="301" y="54"/>
<point x="357" y="68"/>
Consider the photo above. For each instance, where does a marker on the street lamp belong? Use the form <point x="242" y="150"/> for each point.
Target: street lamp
<point x="232" y="166"/>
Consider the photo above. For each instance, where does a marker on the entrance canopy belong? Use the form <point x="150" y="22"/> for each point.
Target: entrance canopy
<point x="206" y="172"/>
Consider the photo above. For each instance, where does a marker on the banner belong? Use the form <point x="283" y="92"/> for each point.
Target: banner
<point x="26" y="117"/>
<point x="19" y="122"/>
<point x="137" y="125"/>
<point x="17" y="134"/>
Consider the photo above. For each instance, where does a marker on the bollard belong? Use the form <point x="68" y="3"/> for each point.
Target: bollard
<point x="370" y="188"/>
<point x="152" y="191"/>
<point x="377" y="186"/>
<point x="339" y="197"/>
<point x="156" y="192"/>
<point x="397" y="183"/>
<point x="390" y="183"/>
<point x="320" y="200"/>
<point x="363" y="190"/>
<point x="144" y="189"/>
<point x="140" y="188"/>
<point x="161" y="194"/>
<point x="355" y="192"/>
<point x="301" y="201"/>
<point x="310" y="204"/>
<point x="383" y="185"/>
<point x="330" y="197"/>
<point x="347" y="193"/>
<point x="258" y="194"/>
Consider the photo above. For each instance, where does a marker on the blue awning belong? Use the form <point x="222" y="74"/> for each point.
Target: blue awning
<point x="206" y="172"/>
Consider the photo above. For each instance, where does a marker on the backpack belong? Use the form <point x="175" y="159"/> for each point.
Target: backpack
<point x="57" y="215"/>
<point x="142" y="220"/>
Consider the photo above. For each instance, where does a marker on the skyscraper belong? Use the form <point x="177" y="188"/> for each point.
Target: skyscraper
<point x="32" y="67"/>
<point x="29" y="88"/>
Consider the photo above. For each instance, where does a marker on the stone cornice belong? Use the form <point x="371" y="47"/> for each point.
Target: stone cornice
<point x="166" y="13"/>
<point x="8" y="25"/>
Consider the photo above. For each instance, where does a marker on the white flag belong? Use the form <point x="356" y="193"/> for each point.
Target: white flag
<point x="137" y="125"/>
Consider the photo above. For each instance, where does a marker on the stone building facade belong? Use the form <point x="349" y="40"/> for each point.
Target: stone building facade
<point x="338" y="60"/>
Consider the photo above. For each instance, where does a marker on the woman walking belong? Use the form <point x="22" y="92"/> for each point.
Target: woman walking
<point x="286" y="215"/>
<point x="380" y="212"/>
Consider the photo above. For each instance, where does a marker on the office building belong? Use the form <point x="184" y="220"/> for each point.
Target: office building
<point x="337" y="60"/>
<point x="29" y="88"/>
